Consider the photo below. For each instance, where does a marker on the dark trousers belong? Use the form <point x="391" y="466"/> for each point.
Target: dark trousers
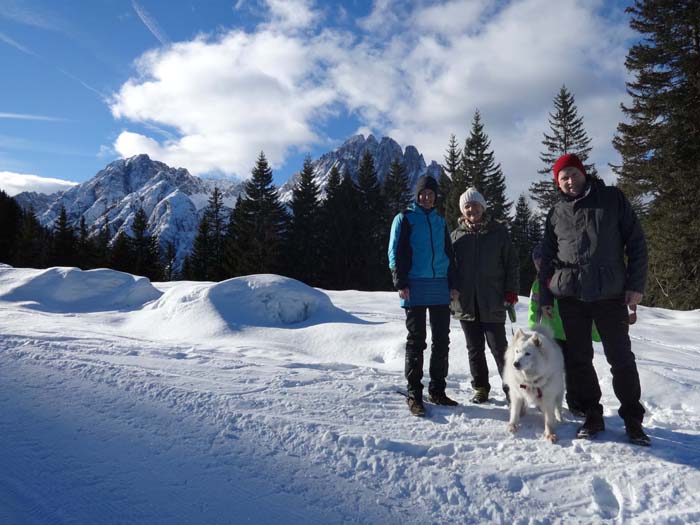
<point x="479" y="334"/>
<point x="571" y="401"/>
<point x="612" y="320"/>
<point x="415" y="345"/>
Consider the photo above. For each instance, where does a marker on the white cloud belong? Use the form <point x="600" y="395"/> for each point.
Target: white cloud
<point x="292" y="14"/>
<point x="416" y="75"/>
<point x="229" y="99"/>
<point x="14" y="183"/>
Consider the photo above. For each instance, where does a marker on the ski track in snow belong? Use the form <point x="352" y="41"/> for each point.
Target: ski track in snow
<point x="99" y="425"/>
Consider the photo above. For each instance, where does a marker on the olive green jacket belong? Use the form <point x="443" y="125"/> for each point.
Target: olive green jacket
<point x="487" y="267"/>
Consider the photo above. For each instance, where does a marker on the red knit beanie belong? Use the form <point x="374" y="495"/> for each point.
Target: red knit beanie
<point x="567" y="161"/>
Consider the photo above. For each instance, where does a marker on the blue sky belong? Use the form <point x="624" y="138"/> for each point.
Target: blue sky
<point x="206" y="85"/>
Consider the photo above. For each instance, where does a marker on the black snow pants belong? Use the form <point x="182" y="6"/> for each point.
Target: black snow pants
<point x="612" y="320"/>
<point x="415" y="345"/>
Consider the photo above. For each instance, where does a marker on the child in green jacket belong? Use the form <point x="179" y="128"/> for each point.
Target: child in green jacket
<point x="535" y="318"/>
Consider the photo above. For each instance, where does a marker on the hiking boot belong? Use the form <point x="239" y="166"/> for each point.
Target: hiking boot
<point x="415" y="405"/>
<point x="593" y="424"/>
<point x="635" y="433"/>
<point x="442" y="399"/>
<point x="481" y="395"/>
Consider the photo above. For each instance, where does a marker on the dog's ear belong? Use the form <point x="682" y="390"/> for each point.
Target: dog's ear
<point x="519" y="335"/>
<point x="536" y="340"/>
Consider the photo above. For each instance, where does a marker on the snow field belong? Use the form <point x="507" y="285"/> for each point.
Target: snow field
<point x="206" y="404"/>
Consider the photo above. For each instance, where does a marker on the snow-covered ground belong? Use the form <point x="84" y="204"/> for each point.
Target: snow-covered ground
<point x="262" y="400"/>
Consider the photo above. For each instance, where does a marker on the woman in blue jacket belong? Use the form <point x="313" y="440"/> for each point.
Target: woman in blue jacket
<point x="423" y="271"/>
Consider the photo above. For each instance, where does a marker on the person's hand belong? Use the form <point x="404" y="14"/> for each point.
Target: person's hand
<point x="405" y="294"/>
<point x="548" y="312"/>
<point x="454" y="294"/>
<point x="633" y="314"/>
<point x="511" y="297"/>
<point x="632" y="298"/>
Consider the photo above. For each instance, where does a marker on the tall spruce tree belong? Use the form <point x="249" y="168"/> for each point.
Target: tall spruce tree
<point x="341" y="237"/>
<point x="261" y="224"/>
<point x="64" y="241"/>
<point x="451" y="183"/>
<point x="482" y="172"/>
<point x="233" y="255"/>
<point x="303" y="251"/>
<point x="660" y="145"/>
<point x="216" y="222"/>
<point x="84" y="247"/>
<point x="200" y="257"/>
<point x="568" y="135"/>
<point x="10" y="222"/>
<point x="372" y="260"/>
<point x="32" y="243"/>
<point x="397" y="194"/>
<point x="524" y="233"/>
<point x="145" y="248"/>
<point x="121" y="256"/>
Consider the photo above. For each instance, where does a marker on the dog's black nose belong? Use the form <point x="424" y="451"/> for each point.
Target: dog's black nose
<point x="517" y="365"/>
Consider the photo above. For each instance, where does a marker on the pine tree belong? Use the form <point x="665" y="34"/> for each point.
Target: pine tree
<point x="524" y="234"/>
<point x="304" y="239"/>
<point x="85" y="252"/>
<point x="145" y="248"/>
<point x="481" y="171"/>
<point x="101" y="245"/>
<point x="372" y="260"/>
<point x="341" y="237"/>
<point x="452" y="183"/>
<point x="567" y="136"/>
<point x="660" y="145"/>
<point x="10" y="223"/>
<point x="233" y="254"/>
<point x="261" y="223"/>
<point x="64" y="241"/>
<point x="397" y="194"/>
<point x="168" y="261"/>
<point x="121" y="257"/>
<point x="32" y="243"/>
<point x="216" y="220"/>
<point x="200" y="258"/>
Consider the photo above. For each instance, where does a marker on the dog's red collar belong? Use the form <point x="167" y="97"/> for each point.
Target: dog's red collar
<point x="539" y="390"/>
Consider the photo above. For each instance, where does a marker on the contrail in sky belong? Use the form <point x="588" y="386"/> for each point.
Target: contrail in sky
<point x="23" y="116"/>
<point x="11" y="42"/>
<point x="150" y="23"/>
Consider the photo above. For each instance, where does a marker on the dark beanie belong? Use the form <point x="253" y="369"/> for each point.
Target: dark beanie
<point x="567" y="161"/>
<point x="426" y="182"/>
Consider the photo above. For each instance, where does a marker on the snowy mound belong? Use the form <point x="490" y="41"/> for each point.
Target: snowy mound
<point x="73" y="290"/>
<point x="254" y="300"/>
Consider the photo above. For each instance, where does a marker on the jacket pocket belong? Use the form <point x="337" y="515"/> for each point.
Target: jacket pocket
<point x="611" y="281"/>
<point x="564" y="282"/>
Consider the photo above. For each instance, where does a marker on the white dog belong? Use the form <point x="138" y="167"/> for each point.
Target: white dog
<point x="534" y="372"/>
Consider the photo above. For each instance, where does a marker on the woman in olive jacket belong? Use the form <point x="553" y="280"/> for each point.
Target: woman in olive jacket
<point x="487" y="280"/>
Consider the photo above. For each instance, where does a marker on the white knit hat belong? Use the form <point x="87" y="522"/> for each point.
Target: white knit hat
<point x="471" y="195"/>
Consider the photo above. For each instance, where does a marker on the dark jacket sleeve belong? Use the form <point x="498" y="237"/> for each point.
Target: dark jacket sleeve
<point x="635" y="246"/>
<point x="549" y="252"/>
<point x="452" y="268"/>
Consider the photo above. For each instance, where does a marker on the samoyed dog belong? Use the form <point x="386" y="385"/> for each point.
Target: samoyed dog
<point x="534" y="372"/>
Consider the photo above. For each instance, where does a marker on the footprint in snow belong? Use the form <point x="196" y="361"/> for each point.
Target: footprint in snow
<point x="605" y="499"/>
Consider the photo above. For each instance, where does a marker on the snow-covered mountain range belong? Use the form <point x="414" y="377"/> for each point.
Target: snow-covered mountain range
<point x="348" y="156"/>
<point x="173" y="199"/>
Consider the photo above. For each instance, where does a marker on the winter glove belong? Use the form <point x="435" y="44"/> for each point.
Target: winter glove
<point x="511" y="298"/>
